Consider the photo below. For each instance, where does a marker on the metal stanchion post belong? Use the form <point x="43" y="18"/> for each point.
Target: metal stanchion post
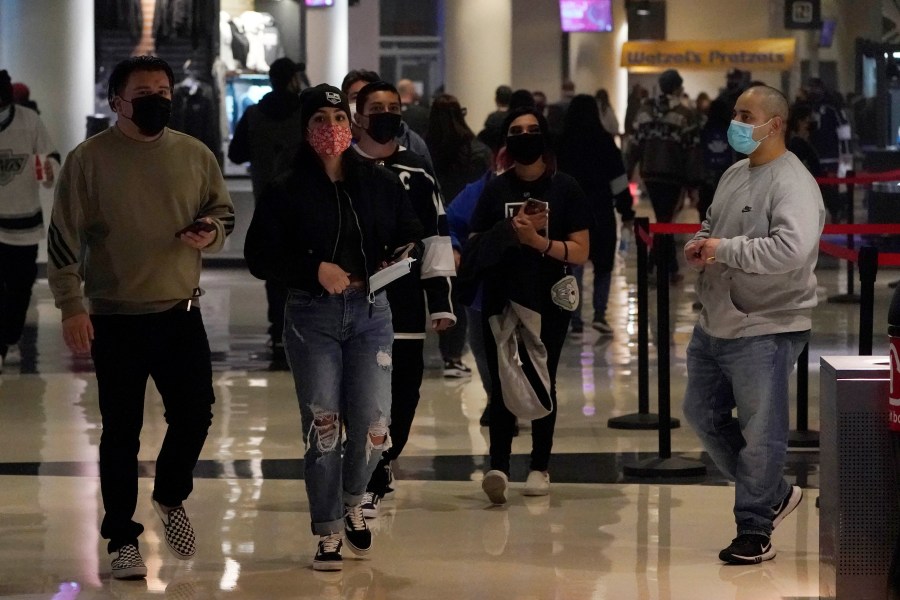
<point x="643" y="419"/>
<point x="868" y="271"/>
<point x="851" y="297"/>
<point x="803" y="437"/>
<point x="664" y="465"/>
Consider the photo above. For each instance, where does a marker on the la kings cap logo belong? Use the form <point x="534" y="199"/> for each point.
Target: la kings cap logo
<point x="333" y="98"/>
<point x="11" y="165"/>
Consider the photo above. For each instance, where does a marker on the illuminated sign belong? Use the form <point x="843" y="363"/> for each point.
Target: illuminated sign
<point x="776" y="54"/>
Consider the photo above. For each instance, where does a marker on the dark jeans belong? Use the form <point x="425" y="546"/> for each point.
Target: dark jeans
<point x="18" y="270"/>
<point x="600" y="295"/>
<point x="664" y="197"/>
<point x="172" y="348"/>
<point x="476" y="342"/>
<point x="406" y="379"/>
<point x="554" y="325"/>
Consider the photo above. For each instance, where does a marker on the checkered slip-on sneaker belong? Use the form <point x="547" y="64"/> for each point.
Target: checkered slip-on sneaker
<point x="179" y="533"/>
<point x="128" y="563"/>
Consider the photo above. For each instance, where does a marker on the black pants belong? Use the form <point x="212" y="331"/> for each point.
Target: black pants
<point x="18" y="270"/>
<point x="664" y="197"/>
<point x="276" y="296"/>
<point x="172" y="348"/>
<point x="452" y="342"/>
<point x="406" y="379"/>
<point x="554" y="325"/>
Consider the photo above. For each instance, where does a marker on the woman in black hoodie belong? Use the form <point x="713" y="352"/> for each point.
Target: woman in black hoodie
<point x="323" y="229"/>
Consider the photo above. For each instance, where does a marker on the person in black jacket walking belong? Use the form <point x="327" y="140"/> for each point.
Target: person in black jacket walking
<point x="378" y="120"/>
<point x="587" y="152"/>
<point x="323" y="229"/>
<point x="531" y="251"/>
<point x="267" y="136"/>
<point x="459" y="159"/>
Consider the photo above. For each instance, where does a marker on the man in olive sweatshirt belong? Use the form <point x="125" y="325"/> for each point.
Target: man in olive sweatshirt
<point x="135" y="207"/>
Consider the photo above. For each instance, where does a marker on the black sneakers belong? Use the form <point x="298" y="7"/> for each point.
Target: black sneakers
<point x="602" y="327"/>
<point x="328" y="553"/>
<point x="357" y="533"/>
<point x="787" y="505"/>
<point x="179" y="533"/>
<point x="456" y="369"/>
<point x="381" y="479"/>
<point x="128" y="563"/>
<point x="370" y="503"/>
<point x="748" y="549"/>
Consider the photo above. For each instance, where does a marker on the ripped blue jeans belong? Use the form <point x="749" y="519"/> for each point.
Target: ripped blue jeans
<point x="339" y="351"/>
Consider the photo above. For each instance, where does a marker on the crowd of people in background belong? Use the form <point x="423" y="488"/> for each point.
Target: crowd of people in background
<point x="496" y="225"/>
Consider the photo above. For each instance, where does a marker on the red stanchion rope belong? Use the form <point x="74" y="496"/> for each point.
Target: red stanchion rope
<point x="645" y="236"/>
<point x="860" y="178"/>
<point x="884" y="259"/>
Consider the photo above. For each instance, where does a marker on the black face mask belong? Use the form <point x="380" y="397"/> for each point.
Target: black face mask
<point x="151" y="113"/>
<point x="383" y="127"/>
<point x="525" y="148"/>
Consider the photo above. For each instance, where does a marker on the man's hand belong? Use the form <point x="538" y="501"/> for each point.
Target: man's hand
<point x="333" y="278"/>
<point x="78" y="333"/>
<point x="457" y="258"/>
<point x="440" y="325"/>
<point x="48" y="174"/>
<point x="692" y="254"/>
<point x="701" y="253"/>
<point x="199" y="240"/>
<point x="708" y="251"/>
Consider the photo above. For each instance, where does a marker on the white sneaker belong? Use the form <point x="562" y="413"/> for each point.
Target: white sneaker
<point x="494" y="485"/>
<point x="537" y="484"/>
<point x="13" y="355"/>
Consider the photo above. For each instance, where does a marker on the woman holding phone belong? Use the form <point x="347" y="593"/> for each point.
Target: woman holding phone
<point x="323" y="230"/>
<point x="547" y="214"/>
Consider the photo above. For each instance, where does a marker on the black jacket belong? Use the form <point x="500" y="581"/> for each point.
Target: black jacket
<point x="296" y="224"/>
<point x="267" y="136"/>
<point x="433" y="272"/>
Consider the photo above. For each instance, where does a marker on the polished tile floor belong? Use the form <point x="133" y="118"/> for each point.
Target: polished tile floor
<point x="599" y="535"/>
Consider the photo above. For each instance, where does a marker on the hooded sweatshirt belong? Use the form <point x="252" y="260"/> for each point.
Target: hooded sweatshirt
<point x="267" y="136"/>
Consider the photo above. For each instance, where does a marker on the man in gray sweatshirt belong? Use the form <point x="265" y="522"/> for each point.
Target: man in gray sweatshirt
<point x="756" y="253"/>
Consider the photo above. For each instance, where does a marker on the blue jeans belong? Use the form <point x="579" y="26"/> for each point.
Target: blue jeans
<point x="750" y="374"/>
<point x="339" y="351"/>
<point x="602" y="282"/>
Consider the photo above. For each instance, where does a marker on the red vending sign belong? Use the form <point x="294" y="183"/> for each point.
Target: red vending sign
<point x="894" y="395"/>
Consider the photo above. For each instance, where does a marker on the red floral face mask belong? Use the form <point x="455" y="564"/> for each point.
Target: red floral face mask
<point x="330" y="140"/>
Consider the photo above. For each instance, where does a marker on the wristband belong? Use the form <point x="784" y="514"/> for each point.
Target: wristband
<point x="547" y="249"/>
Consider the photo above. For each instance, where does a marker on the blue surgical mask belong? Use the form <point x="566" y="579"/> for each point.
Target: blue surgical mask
<point x="740" y="136"/>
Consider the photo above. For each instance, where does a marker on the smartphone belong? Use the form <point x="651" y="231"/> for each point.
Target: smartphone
<point x="196" y="227"/>
<point x="400" y="253"/>
<point x="533" y="207"/>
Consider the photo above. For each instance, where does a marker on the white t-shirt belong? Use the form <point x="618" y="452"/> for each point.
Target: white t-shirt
<point x="21" y="219"/>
